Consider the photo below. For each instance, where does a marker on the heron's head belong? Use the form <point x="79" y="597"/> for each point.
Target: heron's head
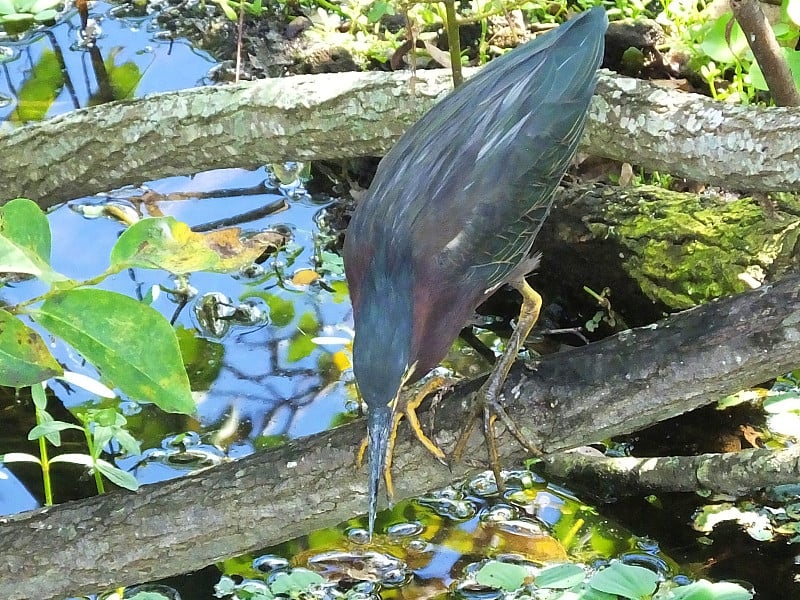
<point x="382" y="364"/>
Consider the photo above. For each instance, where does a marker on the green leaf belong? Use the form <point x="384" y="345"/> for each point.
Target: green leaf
<point x="792" y="59"/>
<point x="298" y="580"/>
<point x="7" y="7"/>
<point x="504" y="576"/>
<point x="25" y="359"/>
<point x="48" y="427"/>
<point x="24" y="223"/>
<point x="42" y="5"/>
<point x="716" y="46"/>
<point x="782" y="402"/>
<point x="166" y="243"/>
<point x="40" y="89"/>
<point x="628" y="581"/>
<point x="705" y="590"/>
<point x="132" y="345"/>
<point x="560" y="576"/>
<point x="117" y="476"/>
<point x="281" y="311"/>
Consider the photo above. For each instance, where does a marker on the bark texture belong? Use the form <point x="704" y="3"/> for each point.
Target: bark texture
<point x="609" y="388"/>
<point x="344" y="115"/>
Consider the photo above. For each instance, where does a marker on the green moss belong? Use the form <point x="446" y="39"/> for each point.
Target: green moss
<point x="684" y="250"/>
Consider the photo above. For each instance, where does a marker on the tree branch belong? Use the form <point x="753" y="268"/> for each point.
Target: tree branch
<point x="734" y="473"/>
<point x="609" y="388"/>
<point x="343" y="115"/>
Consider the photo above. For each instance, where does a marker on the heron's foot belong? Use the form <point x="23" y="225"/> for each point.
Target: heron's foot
<point x="487" y="399"/>
<point x="409" y="411"/>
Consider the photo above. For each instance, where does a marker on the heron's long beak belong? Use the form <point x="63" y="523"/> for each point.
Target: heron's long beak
<point x="379" y="421"/>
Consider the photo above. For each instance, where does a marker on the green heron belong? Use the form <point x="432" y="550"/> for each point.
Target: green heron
<point x="451" y="216"/>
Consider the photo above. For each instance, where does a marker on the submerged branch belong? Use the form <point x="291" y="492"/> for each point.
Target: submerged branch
<point x="609" y="388"/>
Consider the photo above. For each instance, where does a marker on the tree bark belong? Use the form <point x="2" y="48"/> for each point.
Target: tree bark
<point x="344" y="115"/>
<point x="609" y="388"/>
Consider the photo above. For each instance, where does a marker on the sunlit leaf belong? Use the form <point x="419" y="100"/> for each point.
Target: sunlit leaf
<point x="7" y="7"/>
<point x="504" y="576"/>
<point x="302" y="345"/>
<point x="42" y="5"/>
<point x="628" y="581"/>
<point x="793" y="11"/>
<point x="18" y="457"/>
<point x="705" y="590"/>
<point x="132" y="345"/>
<point x="782" y="402"/>
<point x="75" y="459"/>
<point x="24" y="357"/>
<point x="90" y="384"/>
<point x="165" y="243"/>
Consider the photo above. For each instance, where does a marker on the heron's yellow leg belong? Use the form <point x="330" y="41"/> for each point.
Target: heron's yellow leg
<point x="487" y="398"/>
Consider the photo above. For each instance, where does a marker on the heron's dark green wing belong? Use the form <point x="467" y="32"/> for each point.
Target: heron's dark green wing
<point x="490" y="155"/>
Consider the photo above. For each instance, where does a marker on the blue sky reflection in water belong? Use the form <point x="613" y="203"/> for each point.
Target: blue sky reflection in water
<point x="162" y="64"/>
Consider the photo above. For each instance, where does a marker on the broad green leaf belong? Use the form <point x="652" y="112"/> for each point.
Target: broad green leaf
<point x="24" y="357"/>
<point x="48" y="427"/>
<point x="716" y="43"/>
<point x="504" y="576"/>
<point x="117" y="476"/>
<point x="165" y="243"/>
<point x="705" y="590"/>
<point x="132" y="345"/>
<point x="24" y="223"/>
<point x="628" y="581"/>
<point x="560" y="576"/>
<point x="782" y="402"/>
<point x="7" y="7"/>
<point x="16" y="259"/>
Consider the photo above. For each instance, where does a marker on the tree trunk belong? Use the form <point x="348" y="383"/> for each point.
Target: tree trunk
<point x="344" y="115"/>
<point x="609" y="388"/>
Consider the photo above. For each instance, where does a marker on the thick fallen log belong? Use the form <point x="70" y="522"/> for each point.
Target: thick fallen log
<point x="609" y="388"/>
<point x="362" y="114"/>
